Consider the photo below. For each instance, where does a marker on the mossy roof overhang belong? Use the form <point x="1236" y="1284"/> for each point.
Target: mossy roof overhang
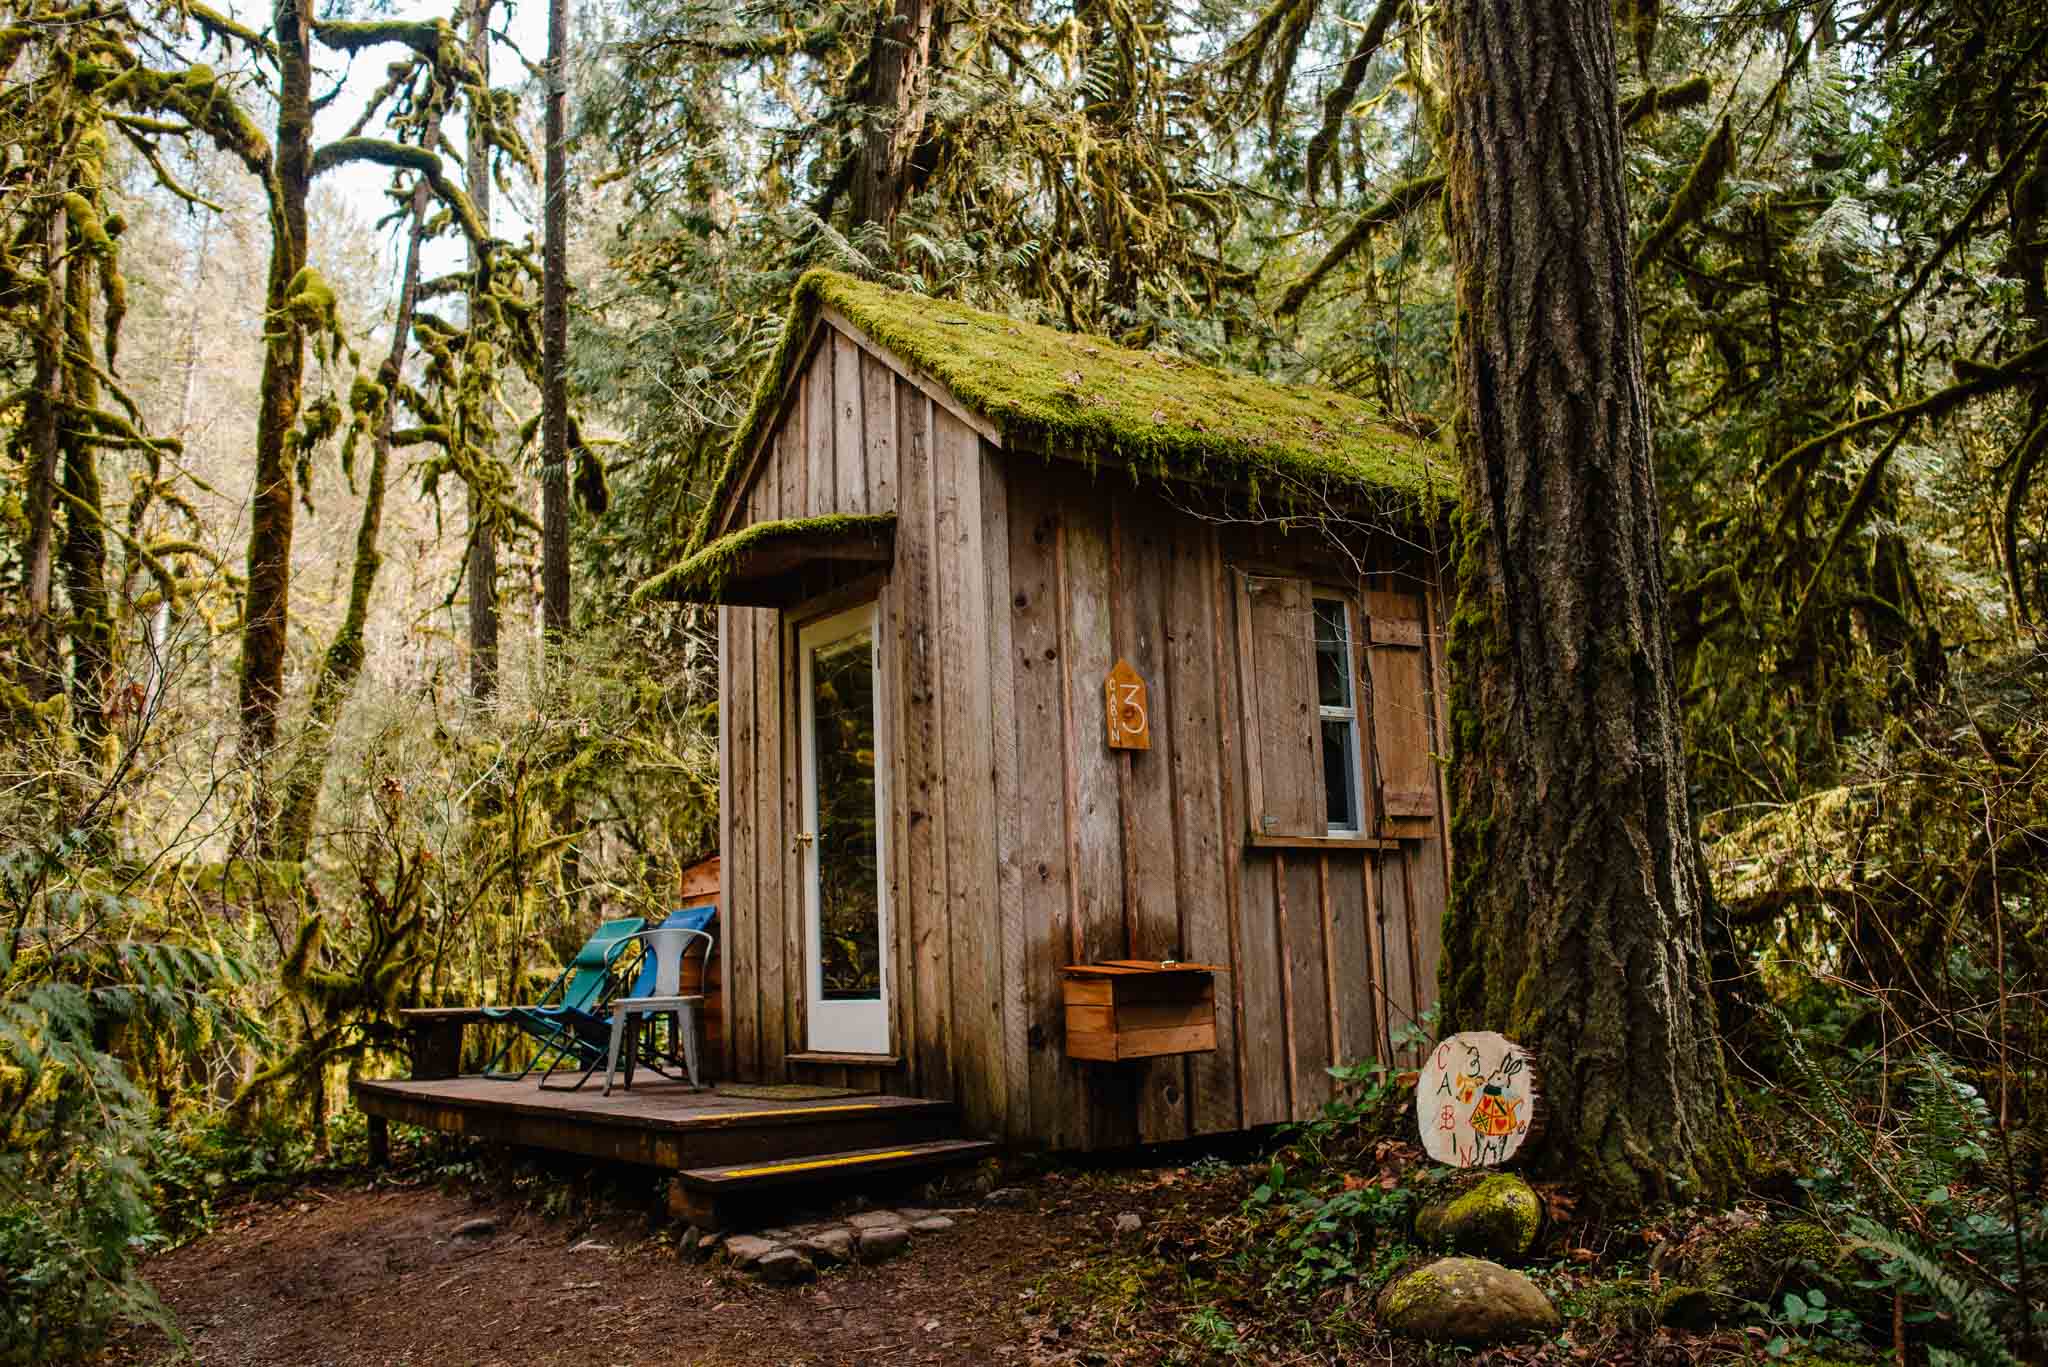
<point x="1070" y="394"/>
<point x="768" y="564"/>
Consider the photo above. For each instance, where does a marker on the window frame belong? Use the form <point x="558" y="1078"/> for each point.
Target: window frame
<point x="1315" y="590"/>
<point x="1354" y="717"/>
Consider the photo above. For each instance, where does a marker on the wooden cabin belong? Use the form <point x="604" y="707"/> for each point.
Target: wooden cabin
<point x="938" y="534"/>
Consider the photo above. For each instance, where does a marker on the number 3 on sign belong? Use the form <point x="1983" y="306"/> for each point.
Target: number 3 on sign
<point x="1130" y="727"/>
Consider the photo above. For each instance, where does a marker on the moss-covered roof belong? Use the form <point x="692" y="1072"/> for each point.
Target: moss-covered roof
<point x="763" y="550"/>
<point x="1072" y="394"/>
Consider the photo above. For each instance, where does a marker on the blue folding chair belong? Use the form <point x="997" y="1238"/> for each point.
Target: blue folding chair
<point x="576" y="994"/>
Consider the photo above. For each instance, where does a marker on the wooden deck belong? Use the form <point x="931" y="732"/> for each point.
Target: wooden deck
<point x="656" y="1124"/>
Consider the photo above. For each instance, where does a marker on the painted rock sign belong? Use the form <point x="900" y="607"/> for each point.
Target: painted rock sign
<point x="1475" y="1100"/>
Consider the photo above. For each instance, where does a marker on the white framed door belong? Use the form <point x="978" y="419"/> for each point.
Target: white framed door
<point x="844" y="839"/>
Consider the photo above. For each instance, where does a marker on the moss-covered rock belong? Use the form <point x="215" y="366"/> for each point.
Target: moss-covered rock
<point x="1752" y="1261"/>
<point x="1465" y="1300"/>
<point x="1498" y="1216"/>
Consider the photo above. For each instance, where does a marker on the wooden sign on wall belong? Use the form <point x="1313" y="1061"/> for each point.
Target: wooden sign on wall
<point x="1475" y="1100"/>
<point x="1130" y="723"/>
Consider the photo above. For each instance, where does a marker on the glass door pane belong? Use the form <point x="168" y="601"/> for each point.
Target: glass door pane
<point x="847" y="919"/>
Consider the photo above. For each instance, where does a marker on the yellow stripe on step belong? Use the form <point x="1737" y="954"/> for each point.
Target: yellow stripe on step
<point x="818" y="1163"/>
<point x="720" y="1116"/>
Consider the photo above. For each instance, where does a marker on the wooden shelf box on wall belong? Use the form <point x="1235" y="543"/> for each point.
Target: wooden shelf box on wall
<point x="1139" y="1008"/>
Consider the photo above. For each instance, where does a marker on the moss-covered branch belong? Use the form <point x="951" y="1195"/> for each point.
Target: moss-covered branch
<point x="1396" y="204"/>
<point x="1694" y="197"/>
<point x="400" y="156"/>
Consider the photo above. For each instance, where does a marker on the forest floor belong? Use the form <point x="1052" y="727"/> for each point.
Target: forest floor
<point x="350" y="1270"/>
<point x="363" y="1273"/>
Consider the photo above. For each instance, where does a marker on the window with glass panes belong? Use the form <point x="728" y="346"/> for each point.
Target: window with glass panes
<point x="1337" y="701"/>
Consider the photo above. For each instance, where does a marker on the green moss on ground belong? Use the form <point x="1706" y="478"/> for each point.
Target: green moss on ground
<point x="699" y="577"/>
<point x="1159" y="415"/>
<point x="1749" y="1262"/>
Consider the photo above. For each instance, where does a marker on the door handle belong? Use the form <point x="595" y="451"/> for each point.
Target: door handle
<point x="805" y="838"/>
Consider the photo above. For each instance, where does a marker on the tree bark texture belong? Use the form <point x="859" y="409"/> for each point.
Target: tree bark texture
<point x="266" y="606"/>
<point x="899" y="64"/>
<point x="554" y="340"/>
<point x="483" y="538"/>
<point x="1575" y="926"/>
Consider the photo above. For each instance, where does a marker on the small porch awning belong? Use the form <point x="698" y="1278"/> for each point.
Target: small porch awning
<point x="777" y="564"/>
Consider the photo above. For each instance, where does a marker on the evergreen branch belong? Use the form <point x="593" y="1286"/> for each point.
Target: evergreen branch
<point x="1338" y="102"/>
<point x="1657" y="100"/>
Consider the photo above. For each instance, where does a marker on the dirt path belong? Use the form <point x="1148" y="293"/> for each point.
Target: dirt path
<point x="377" y="1276"/>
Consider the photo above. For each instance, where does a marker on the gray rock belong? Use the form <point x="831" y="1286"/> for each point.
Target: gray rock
<point x="931" y="1224"/>
<point x="784" y="1267"/>
<point x="829" y="1247"/>
<point x="1465" y="1300"/>
<point x="1497" y="1217"/>
<point x="875" y="1219"/>
<point x="483" y="1227"/>
<point x="1128" y="1223"/>
<point x="883" y="1242"/>
<point x="744" y="1250"/>
<point x="1005" y="1196"/>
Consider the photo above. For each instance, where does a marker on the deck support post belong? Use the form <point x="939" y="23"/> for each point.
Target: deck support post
<point x="380" y="1142"/>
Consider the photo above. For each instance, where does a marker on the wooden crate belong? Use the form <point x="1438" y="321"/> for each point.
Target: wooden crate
<point x="1137" y="1008"/>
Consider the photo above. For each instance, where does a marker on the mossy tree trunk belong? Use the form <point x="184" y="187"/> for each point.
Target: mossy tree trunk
<point x="45" y="403"/>
<point x="342" y="665"/>
<point x="482" y="567"/>
<point x="266" y="604"/>
<point x="1576" y="921"/>
<point x="84" y="549"/>
<point x="554" y="336"/>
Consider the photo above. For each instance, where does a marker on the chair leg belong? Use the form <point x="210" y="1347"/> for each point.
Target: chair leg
<point x="611" y="1066"/>
<point x="687" y="1027"/>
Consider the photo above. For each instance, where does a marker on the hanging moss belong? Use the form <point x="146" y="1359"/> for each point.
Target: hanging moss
<point x="1159" y="415"/>
<point x="701" y="576"/>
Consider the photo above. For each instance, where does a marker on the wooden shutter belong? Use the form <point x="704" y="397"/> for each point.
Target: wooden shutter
<point x="1397" y="661"/>
<point x="1282" y="731"/>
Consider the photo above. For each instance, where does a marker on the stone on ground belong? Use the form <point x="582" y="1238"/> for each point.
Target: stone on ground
<point x="1496" y="1217"/>
<point x="875" y="1219"/>
<point x="1465" y="1300"/>
<point x="931" y="1224"/>
<point x="483" y="1227"/>
<point x="882" y="1242"/>
<point x="747" y="1249"/>
<point x="829" y="1247"/>
<point x="1128" y="1223"/>
<point x="784" y="1266"/>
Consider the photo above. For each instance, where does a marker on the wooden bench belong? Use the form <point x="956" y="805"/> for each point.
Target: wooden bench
<point x="435" y="1034"/>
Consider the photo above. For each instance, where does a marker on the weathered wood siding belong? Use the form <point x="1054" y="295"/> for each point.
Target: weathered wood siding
<point x="1018" y="841"/>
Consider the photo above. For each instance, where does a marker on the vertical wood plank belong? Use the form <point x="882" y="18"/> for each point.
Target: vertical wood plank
<point x="890" y="622"/>
<point x="967" y="709"/>
<point x="1264" y="1031"/>
<point x="1009" y="969"/>
<point x="820" y="465"/>
<point x="878" y="431"/>
<point x="1395" y="954"/>
<point x="849" y="415"/>
<point x="743" y="860"/>
<point x="924" y="759"/>
<point x="788" y="475"/>
<point x="769" y="844"/>
<point x="1308" y="1017"/>
<point x="1197" y="749"/>
<point x="795" y="894"/>
<point x="1144" y="570"/>
<point x="1057" y="1108"/>
<point x="1352" y="985"/>
<point x="1232" y="806"/>
<point x="726" y="851"/>
<point x="1098" y="835"/>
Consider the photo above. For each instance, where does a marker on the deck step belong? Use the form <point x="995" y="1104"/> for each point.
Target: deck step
<point x="852" y="1165"/>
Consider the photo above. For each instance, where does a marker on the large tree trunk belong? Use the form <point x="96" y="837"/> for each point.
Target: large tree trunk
<point x="483" y="537"/>
<point x="1575" y="926"/>
<point x="342" y="665"/>
<point x="267" y="600"/>
<point x="45" y="403"/>
<point x="84" y="550"/>
<point x="554" y="340"/>
<point x="899" y="65"/>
